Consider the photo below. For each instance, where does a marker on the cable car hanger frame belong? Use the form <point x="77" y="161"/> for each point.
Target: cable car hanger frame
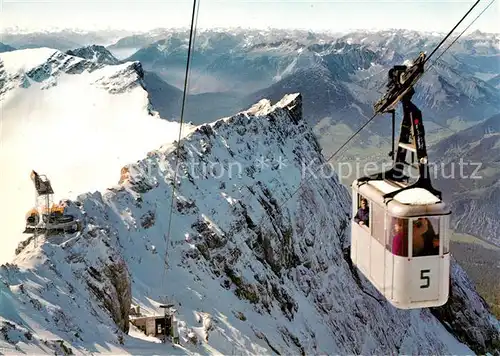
<point x="400" y="85"/>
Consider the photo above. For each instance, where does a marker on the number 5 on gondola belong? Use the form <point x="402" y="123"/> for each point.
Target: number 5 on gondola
<point x="425" y="277"/>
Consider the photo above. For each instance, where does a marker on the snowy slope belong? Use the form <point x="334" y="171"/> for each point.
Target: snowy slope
<point x="75" y="120"/>
<point x="247" y="273"/>
<point x="167" y="99"/>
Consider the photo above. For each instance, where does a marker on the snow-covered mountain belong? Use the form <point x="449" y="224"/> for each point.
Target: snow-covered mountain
<point x="167" y="99"/>
<point x="60" y="114"/>
<point x="250" y="268"/>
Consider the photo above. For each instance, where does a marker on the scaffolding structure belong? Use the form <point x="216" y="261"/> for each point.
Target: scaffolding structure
<point x="46" y="217"/>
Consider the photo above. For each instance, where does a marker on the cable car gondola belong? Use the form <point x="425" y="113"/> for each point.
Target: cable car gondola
<point x="400" y="241"/>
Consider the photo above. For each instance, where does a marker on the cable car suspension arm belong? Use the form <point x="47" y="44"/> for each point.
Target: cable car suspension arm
<point x="400" y="88"/>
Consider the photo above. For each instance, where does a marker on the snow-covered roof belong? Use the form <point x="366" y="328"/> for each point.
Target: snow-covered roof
<point x="408" y="203"/>
<point x="383" y="186"/>
<point x="414" y="196"/>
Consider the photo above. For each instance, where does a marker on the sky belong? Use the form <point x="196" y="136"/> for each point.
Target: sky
<point x="141" y="15"/>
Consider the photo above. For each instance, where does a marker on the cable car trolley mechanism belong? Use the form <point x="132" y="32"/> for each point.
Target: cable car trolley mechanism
<point x="399" y="234"/>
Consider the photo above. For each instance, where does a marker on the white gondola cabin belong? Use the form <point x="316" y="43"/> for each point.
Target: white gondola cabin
<point x="403" y="247"/>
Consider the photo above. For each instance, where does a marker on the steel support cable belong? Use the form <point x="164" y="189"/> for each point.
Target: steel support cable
<point x="192" y="36"/>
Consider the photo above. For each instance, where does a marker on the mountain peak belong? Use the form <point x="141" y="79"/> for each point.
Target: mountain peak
<point x="292" y="102"/>
<point x="23" y="68"/>
<point x="94" y="53"/>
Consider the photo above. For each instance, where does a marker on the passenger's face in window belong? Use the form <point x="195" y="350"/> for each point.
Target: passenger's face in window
<point x="398" y="227"/>
<point x="420" y="226"/>
<point x="363" y="204"/>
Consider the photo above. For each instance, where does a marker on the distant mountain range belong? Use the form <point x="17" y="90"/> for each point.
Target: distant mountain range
<point x="333" y="73"/>
<point x="62" y="39"/>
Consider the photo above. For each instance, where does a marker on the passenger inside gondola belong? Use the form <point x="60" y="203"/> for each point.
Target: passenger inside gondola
<point x="400" y="239"/>
<point x="363" y="215"/>
<point x="425" y="239"/>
